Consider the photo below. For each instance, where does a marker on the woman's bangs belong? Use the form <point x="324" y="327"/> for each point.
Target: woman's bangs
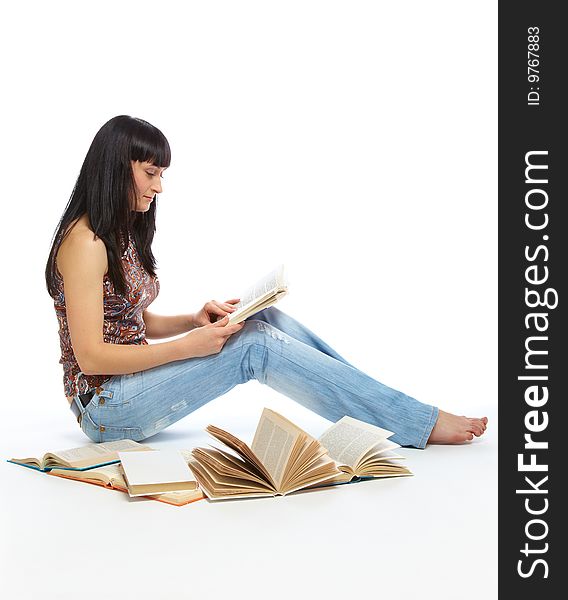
<point x="155" y="150"/>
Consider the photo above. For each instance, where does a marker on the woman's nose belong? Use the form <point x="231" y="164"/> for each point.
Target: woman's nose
<point x="157" y="187"/>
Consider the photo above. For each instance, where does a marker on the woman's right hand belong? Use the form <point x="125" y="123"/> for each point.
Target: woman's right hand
<point x="209" y="339"/>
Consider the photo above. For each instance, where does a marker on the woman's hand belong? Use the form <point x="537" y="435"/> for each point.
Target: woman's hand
<point x="213" y="310"/>
<point x="208" y="339"/>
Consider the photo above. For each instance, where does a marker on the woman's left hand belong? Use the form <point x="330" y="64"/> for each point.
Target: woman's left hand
<point x="212" y="311"/>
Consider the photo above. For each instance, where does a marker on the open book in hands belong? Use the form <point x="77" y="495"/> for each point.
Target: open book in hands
<point x="361" y="451"/>
<point x="281" y="460"/>
<point x="266" y="292"/>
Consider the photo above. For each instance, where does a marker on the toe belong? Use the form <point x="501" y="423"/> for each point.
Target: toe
<point x="462" y="437"/>
<point x="480" y="424"/>
<point x="477" y="431"/>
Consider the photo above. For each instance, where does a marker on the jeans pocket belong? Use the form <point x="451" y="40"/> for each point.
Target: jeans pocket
<point x="113" y="434"/>
<point x="89" y="427"/>
<point x="102" y="431"/>
<point x="108" y="416"/>
<point x="109" y="395"/>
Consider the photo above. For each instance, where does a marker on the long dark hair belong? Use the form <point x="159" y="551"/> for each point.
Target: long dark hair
<point x="104" y="191"/>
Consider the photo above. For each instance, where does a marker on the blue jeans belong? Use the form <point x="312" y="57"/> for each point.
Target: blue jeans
<point x="272" y="348"/>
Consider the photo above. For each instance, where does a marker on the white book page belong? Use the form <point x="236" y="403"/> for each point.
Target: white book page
<point x="265" y="286"/>
<point x="381" y="449"/>
<point x="111" y="471"/>
<point x="273" y="442"/>
<point x="107" y="451"/>
<point x="348" y="440"/>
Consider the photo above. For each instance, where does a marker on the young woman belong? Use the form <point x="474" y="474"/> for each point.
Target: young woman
<point x="101" y="276"/>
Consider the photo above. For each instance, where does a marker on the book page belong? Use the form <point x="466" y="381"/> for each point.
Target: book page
<point x="186" y="453"/>
<point x="273" y="442"/>
<point x="92" y="454"/>
<point x="109" y="475"/>
<point x="275" y="280"/>
<point x="384" y="470"/>
<point x="252" y="309"/>
<point x="215" y="488"/>
<point x="380" y="450"/>
<point x="217" y="461"/>
<point x="268" y="283"/>
<point x="310" y="461"/>
<point x="350" y="439"/>
<point x="222" y="463"/>
<point x="242" y="450"/>
<point x="323" y="469"/>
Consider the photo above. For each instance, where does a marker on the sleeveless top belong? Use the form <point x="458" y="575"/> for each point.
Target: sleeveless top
<point x="123" y="322"/>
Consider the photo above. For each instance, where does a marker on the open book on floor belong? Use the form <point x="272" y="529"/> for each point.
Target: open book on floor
<point x="111" y="477"/>
<point x="281" y="460"/>
<point x="81" y="459"/>
<point x="266" y="292"/>
<point x="361" y="451"/>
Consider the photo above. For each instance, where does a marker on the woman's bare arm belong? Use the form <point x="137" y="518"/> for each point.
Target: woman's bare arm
<point x="158" y="326"/>
<point x="161" y="326"/>
<point x="82" y="262"/>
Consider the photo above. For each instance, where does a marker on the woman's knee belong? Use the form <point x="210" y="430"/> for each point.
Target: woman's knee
<point x="270" y="315"/>
<point x="262" y="332"/>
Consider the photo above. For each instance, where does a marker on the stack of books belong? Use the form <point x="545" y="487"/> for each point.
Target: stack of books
<point x="103" y="465"/>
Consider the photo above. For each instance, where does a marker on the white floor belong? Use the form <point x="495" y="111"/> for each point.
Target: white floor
<point x="433" y="535"/>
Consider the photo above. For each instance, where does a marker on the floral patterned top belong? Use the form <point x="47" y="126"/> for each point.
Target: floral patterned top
<point x="123" y="322"/>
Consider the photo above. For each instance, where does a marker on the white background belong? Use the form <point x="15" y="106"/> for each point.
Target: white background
<point x="354" y="142"/>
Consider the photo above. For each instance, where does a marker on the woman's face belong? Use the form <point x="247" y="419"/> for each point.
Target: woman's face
<point x="147" y="179"/>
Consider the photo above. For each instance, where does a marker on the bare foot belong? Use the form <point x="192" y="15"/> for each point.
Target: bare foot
<point x="451" y="429"/>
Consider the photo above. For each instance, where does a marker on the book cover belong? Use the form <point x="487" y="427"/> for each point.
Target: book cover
<point x="156" y="471"/>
